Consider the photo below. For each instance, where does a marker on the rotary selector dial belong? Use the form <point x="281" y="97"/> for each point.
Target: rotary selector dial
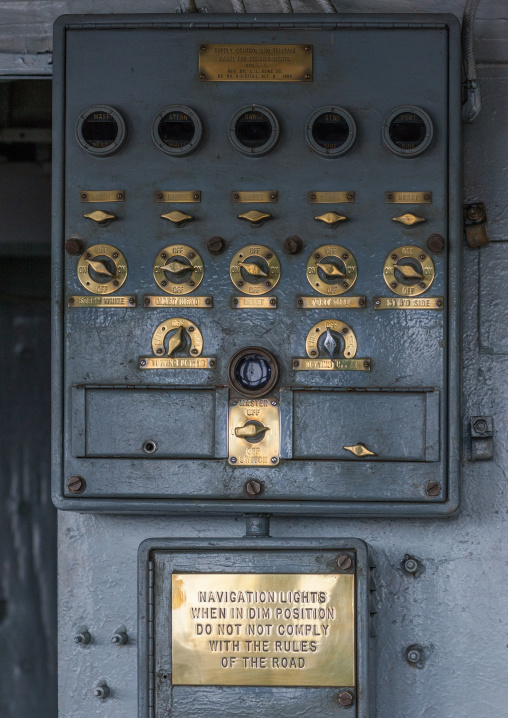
<point x="332" y="269"/>
<point x="255" y="270"/>
<point x="332" y="329"/>
<point x="102" y="269"/>
<point x="178" y="269"/>
<point x="182" y="332"/>
<point x="408" y="271"/>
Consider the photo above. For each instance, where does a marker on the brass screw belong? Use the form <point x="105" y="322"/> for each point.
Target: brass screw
<point x="366" y="364"/>
<point x="131" y="300"/>
<point x="273" y="196"/>
<point x="236" y="196"/>
<point x="115" y="255"/>
<point x="300" y="302"/>
<point x="345" y="255"/>
<point x="76" y="484"/>
<point x="119" y="196"/>
<point x="426" y="196"/>
<point x="202" y="76"/>
<point x="422" y="285"/>
<point x="423" y="256"/>
<point x="147" y="301"/>
<point x="115" y="282"/>
<point x="274" y="459"/>
<point x="389" y="196"/>
<point x="268" y="284"/>
<point x="235" y="301"/>
<point x="191" y="283"/>
<point x="203" y="48"/>
<point x="273" y="301"/>
<point x="71" y="300"/>
<point x="432" y="488"/>
<point x="240" y="284"/>
<point x="377" y="302"/>
<point x="344" y="562"/>
<point x="307" y="76"/>
<point x="350" y="195"/>
<point x="208" y="300"/>
<point x="312" y="196"/>
<point x="212" y="363"/>
<point x="191" y="329"/>
<point x="197" y="195"/>
<point x="345" y="330"/>
<point x="87" y="255"/>
<point x="160" y="195"/>
<point x="308" y="48"/>
<point x="163" y="255"/>
<point x="194" y="352"/>
<point x="317" y="255"/>
<point x="345" y="699"/>
<point x="191" y="255"/>
<point x="142" y="362"/>
<point x="439" y="303"/>
<point x="252" y="487"/>
<point x="84" y="195"/>
<point x="393" y="285"/>
<point x="313" y="353"/>
<point x="296" y="363"/>
<point x="345" y="284"/>
<point x="159" y="350"/>
<point x="233" y="459"/>
<point x="394" y="256"/>
<point x="269" y="255"/>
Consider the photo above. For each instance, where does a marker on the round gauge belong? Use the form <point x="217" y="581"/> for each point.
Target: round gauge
<point x="331" y="131"/>
<point x="253" y="371"/>
<point x="408" y="131"/>
<point x="177" y="130"/>
<point x="332" y="270"/>
<point x="254" y="130"/>
<point x="100" y="130"/>
<point x="178" y="269"/>
<point x="255" y="270"/>
<point x="408" y="271"/>
<point x="102" y="269"/>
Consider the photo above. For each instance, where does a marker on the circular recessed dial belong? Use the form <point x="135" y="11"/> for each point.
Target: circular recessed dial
<point x="177" y="130"/>
<point x="102" y="269"/>
<point x="331" y="131"/>
<point x="330" y="336"/>
<point x="332" y="269"/>
<point x="254" y="130"/>
<point x="182" y="333"/>
<point x="100" y="130"/>
<point x="253" y="371"/>
<point x="408" y="271"/>
<point x="178" y="269"/>
<point x="408" y="131"/>
<point x="255" y="270"/>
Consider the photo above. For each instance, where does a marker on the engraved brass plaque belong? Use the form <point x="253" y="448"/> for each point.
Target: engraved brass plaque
<point x="102" y="269"/>
<point x="184" y="196"/>
<point x="331" y="365"/>
<point x="263" y="629"/>
<point x="408" y="271"/>
<point x="151" y="300"/>
<point x="254" y="303"/>
<point x="254" y="432"/>
<point x="184" y="347"/>
<point x="255" y="63"/>
<point x="331" y="302"/>
<point x="127" y="302"/>
<point x="178" y="269"/>
<point x="408" y="303"/>
<point x="331" y="269"/>
<point x="114" y="195"/>
<point x="330" y="197"/>
<point x="408" y="197"/>
<point x="256" y="196"/>
<point x="176" y="363"/>
<point x="255" y="270"/>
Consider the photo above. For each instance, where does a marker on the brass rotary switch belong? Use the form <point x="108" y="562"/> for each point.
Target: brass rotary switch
<point x="408" y="271"/>
<point x="102" y="269"/>
<point x="184" y="347"/>
<point x="178" y="269"/>
<point x="255" y="270"/>
<point x="331" y="345"/>
<point x="332" y="270"/>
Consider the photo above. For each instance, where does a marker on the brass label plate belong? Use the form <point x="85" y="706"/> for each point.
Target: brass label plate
<point x="331" y="302"/>
<point x="255" y="63"/>
<point x="329" y="365"/>
<point x="90" y="195"/>
<point x="254" y="303"/>
<point x="176" y="363"/>
<point x="263" y="629"/>
<point x="315" y="197"/>
<point x="184" y="196"/>
<point x="254" y="432"/>
<point x="152" y="300"/>
<point x="127" y="302"/>
<point x="268" y="195"/>
<point x="408" y="197"/>
<point x="408" y="303"/>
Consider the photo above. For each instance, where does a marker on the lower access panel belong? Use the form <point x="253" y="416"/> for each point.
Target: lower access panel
<point x="277" y="628"/>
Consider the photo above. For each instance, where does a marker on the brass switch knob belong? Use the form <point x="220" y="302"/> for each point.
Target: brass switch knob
<point x="332" y="219"/>
<point x="255" y="216"/>
<point x="360" y="450"/>
<point x="100" y="217"/>
<point x="251" y="430"/>
<point x="177" y="218"/>
<point x="409" y="219"/>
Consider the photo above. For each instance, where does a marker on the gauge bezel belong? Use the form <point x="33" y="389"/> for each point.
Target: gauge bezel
<point x="255" y="151"/>
<point x="186" y="149"/>
<point x="423" y="146"/>
<point x="344" y="148"/>
<point x="273" y="381"/>
<point x="117" y="143"/>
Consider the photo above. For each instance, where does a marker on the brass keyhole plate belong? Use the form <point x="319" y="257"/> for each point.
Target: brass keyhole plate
<point x="182" y="261"/>
<point x="416" y="281"/>
<point x="106" y="261"/>
<point x="331" y="270"/>
<point x="255" y="270"/>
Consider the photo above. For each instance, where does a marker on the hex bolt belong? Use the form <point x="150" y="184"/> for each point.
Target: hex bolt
<point x="253" y="487"/>
<point x="345" y="562"/>
<point x="411" y="565"/>
<point x="101" y="691"/>
<point x="432" y="488"/>
<point x="82" y="638"/>
<point x="119" y="638"/>
<point x="474" y="213"/>
<point x="435" y="243"/>
<point x="293" y="245"/>
<point x="480" y="426"/>
<point x="76" y="484"/>
<point x="415" y="656"/>
<point x="345" y="699"/>
<point x="73" y="246"/>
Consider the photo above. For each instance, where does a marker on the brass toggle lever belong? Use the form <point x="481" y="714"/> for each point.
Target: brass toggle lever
<point x="176" y="267"/>
<point x="332" y="219"/>
<point x="100" y="217"/>
<point x="100" y="267"/>
<point x="251" y="430"/>
<point x="409" y="219"/>
<point x="255" y="216"/>
<point x="177" y="218"/>
<point x="360" y="450"/>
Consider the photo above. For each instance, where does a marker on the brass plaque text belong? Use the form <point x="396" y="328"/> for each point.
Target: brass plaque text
<point x="255" y="63"/>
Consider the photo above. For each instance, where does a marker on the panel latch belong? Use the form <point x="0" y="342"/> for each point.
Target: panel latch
<point x="475" y="222"/>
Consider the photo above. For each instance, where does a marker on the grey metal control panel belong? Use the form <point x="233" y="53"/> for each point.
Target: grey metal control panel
<point x="257" y="228"/>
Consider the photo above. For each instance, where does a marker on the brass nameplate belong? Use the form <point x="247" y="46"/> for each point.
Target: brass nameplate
<point x="176" y="363"/>
<point x="331" y="302"/>
<point x="152" y="300"/>
<point x="255" y="63"/>
<point x="254" y="303"/>
<point x="265" y="629"/>
<point x="330" y="197"/>
<point x="111" y="302"/>
<point x="408" y="303"/>
<point x="268" y="195"/>
<point x="329" y="365"/>
<point x="408" y="197"/>
<point x="114" y="195"/>
<point x="254" y="432"/>
<point x="184" y="196"/>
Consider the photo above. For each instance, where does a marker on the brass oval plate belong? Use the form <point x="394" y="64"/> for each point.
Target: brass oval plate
<point x="102" y="269"/>
<point x="178" y="269"/>
<point x="331" y="270"/>
<point x="255" y="270"/>
<point x="335" y="325"/>
<point x="408" y="279"/>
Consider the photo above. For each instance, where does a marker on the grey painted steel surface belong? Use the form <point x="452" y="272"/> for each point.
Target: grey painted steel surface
<point x="410" y="351"/>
